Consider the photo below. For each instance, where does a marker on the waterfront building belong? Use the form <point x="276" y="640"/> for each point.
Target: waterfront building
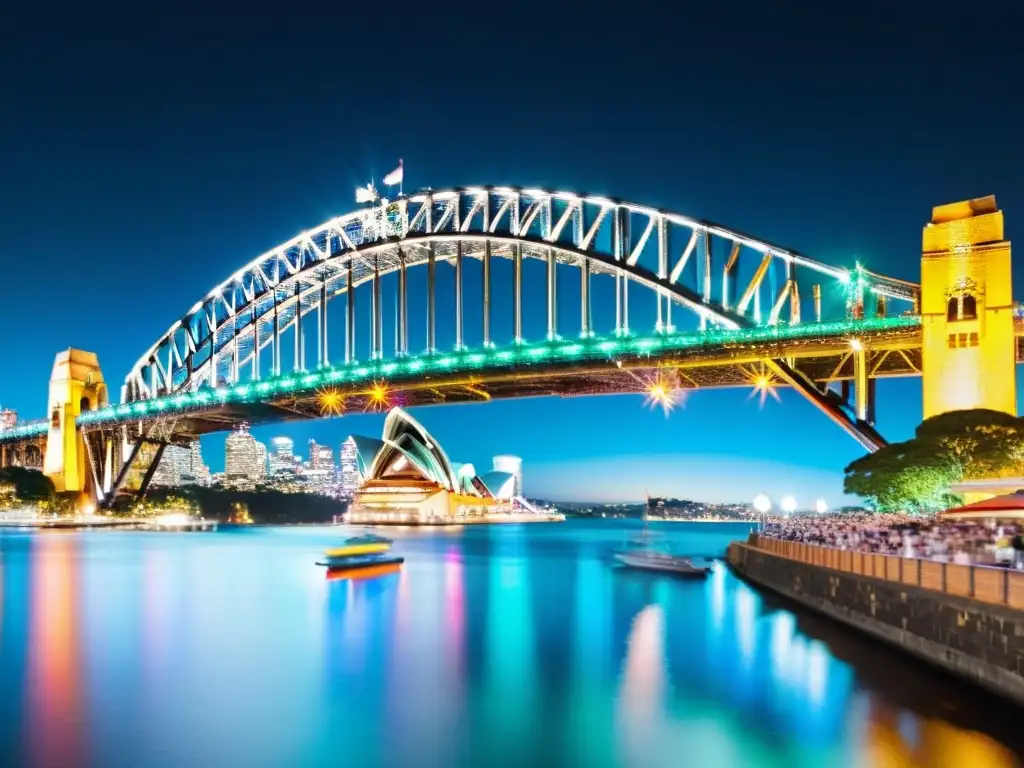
<point x="245" y="457"/>
<point x="350" y="475"/>
<point x="512" y="465"/>
<point x="408" y="479"/>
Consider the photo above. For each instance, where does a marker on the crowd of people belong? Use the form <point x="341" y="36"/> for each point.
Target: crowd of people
<point x="964" y="543"/>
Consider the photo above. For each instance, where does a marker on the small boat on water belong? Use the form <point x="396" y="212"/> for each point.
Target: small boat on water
<point x="644" y="553"/>
<point x="659" y="561"/>
<point x="361" y="552"/>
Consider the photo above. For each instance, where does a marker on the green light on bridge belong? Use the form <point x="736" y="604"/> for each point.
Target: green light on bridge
<point x="593" y="348"/>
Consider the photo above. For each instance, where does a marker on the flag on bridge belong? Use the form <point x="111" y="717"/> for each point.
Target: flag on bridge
<point x="395" y="177"/>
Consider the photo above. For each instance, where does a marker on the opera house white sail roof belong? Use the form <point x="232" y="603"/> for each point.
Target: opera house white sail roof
<point x="406" y="451"/>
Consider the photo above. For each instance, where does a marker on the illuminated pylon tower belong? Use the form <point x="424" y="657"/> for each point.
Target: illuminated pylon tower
<point x="968" y="351"/>
<point x="76" y="385"/>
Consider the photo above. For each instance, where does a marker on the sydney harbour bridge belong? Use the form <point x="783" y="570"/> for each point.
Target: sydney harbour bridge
<point x="348" y="317"/>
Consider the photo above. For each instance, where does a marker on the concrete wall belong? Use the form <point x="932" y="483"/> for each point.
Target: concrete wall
<point x="979" y="641"/>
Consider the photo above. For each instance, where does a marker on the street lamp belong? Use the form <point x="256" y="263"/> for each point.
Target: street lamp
<point x="788" y="505"/>
<point x="820" y="507"/>
<point x="762" y="503"/>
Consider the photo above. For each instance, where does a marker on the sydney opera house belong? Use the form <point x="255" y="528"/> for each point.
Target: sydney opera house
<point x="408" y="480"/>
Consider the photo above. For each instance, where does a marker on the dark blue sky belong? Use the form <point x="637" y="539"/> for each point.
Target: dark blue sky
<point x="145" y="158"/>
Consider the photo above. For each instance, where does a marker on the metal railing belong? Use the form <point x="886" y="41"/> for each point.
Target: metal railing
<point x="987" y="584"/>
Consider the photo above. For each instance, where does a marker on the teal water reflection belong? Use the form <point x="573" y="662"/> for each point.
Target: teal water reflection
<point x="497" y="646"/>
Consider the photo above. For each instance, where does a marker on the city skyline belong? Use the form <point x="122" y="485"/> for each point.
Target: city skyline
<point x="752" y="145"/>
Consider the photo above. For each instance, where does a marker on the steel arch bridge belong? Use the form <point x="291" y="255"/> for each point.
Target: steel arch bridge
<point x="721" y="308"/>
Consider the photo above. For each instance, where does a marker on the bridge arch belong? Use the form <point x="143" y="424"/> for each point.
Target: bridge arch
<point x="711" y="272"/>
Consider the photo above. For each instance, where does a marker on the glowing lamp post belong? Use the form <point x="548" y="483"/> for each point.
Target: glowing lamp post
<point x="788" y="505"/>
<point x="762" y="505"/>
<point x="820" y="507"/>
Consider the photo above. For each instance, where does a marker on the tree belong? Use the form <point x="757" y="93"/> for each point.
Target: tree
<point x="908" y="475"/>
<point x="29" y="484"/>
<point x="983" y="443"/>
<point x="945" y="449"/>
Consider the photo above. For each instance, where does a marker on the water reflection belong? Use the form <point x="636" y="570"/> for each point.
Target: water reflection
<point x="509" y="646"/>
<point x="55" y="729"/>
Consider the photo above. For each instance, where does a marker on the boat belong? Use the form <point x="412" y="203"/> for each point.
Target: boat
<point x="644" y="553"/>
<point x="658" y="561"/>
<point x="359" y="552"/>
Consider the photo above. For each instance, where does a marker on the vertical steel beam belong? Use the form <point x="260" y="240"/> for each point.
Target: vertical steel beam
<point x="585" y="331"/>
<point x="459" y="340"/>
<point x="377" y="343"/>
<point x="403" y="306"/>
<point x="323" y="358"/>
<point x="299" y="345"/>
<point x="350" y="312"/>
<point x="276" y="340"/>
<point x="816" y="295"/>
<point x="255" y="346"/>
<point x="871" y="401"/>
<point x="487" y="294"/>
<point x="659" y="325"/>
<point x="235" y="351"/>
<point x="730" y="267"/>
<point x="860" y="382"/>
<point x="517" y="293"/>
<point x="431" y="278"/>
<point x="617" y="252"/>
<point x="213" y="358"/>
<point x="706" y="295"/>
<point x="552" y="296"/>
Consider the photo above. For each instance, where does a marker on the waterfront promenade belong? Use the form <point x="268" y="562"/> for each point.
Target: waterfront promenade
<point x="966" y="619"/>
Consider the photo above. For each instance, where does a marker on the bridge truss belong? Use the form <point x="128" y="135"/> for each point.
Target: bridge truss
<point x="655" y="297"/>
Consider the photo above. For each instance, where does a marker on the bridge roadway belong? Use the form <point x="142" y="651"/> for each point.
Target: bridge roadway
<point x="823" y="352"/>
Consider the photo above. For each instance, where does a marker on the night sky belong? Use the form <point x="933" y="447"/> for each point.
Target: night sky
<point x="144" y="158"/>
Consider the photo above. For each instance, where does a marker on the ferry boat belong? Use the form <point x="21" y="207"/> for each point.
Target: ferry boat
<point x="359" y="552"/>
<point x="659" y="561"/>
<point x="644" y="554"/>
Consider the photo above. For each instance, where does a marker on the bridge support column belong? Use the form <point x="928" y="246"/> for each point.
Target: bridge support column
<point x="459" y="340"/>
<point x="377" y="338"/>
<point x="350" y="315"/>
<point x="517" y="294"/>
<point x="431" y="278"/>
<point x="585" y="331"/>
<point x="403" y="306"/>
<point x="552" y="295"/>
<point x="323" y="358"/>
<point x="76" y="385"/>
<point x="706" y="293"/>
<point x="968" y="349"/>
<point x="487" y="293"/>
<point x="300" y="347"/>
<point x="275" y="341"/>
<point x="860" y="382"/>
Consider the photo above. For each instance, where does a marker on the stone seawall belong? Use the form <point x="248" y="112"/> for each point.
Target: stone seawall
<point x="979" y="641"/>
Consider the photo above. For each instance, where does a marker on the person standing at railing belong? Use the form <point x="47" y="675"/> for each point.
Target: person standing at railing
<point x="1018" y="550"/>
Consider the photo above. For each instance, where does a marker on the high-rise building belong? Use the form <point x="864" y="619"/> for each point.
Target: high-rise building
<point x="321" y="457"/>
<point x="199" y="471"/>
<point x="8" y="418"/>
<point x="245" y="457"/>
<point x="182" y="465"/>
<point x="350" y="476"/>
<point x="514" y="466"/>
<point x="282" y="455"/>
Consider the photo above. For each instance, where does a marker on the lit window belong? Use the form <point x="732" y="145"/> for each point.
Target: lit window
<point x="963" y="339"/>
<point x="974" y="339"/>
<point x="952" y="341"/>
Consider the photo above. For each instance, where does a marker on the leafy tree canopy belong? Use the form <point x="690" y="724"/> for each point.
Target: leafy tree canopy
<point x="29" y="484"/>
<point x="917" y="474"/>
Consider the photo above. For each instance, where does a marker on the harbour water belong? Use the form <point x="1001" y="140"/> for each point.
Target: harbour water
<point x="497" y="646"/>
